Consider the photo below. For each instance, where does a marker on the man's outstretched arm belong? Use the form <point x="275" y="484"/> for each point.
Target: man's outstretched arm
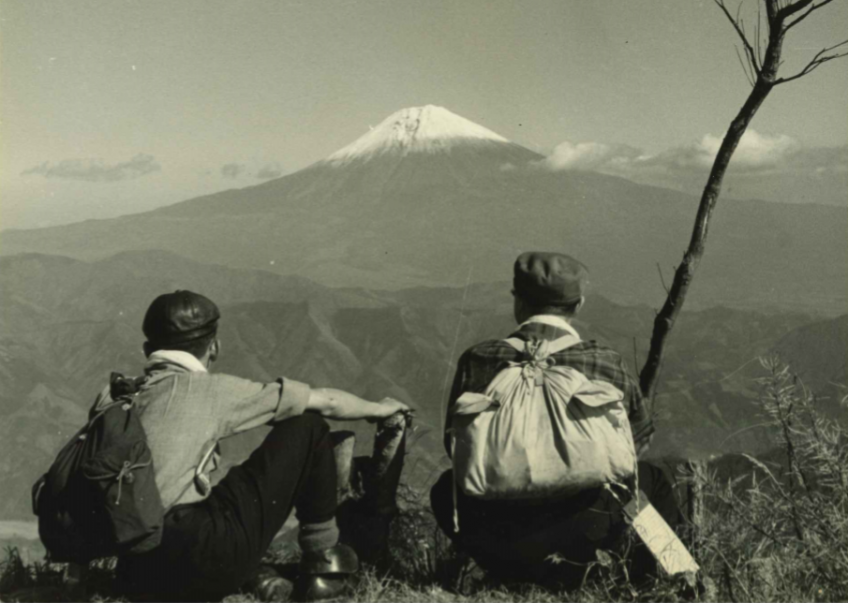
<point x="343" y="406"/>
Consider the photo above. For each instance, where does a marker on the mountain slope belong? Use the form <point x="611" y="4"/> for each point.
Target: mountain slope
<point x="428" y="198"/>
<point x="818" y="354"/>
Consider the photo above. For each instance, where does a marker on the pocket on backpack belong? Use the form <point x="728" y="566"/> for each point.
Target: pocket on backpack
<point x="473" y="404"/>
<point x="124" y="476"/>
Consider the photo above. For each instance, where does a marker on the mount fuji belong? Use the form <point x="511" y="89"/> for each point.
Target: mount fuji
<point x="429" y="198"/>
<point x="426" y="129"/>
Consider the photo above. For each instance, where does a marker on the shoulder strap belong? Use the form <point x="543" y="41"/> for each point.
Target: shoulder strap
<point x="125" y="387"/>
<point x="563" y="343"/>
<point x="515" y="342"/>
<point x="554" y="347"/>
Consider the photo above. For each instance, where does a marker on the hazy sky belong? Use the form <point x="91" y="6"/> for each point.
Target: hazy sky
<point x="115" y="106"/>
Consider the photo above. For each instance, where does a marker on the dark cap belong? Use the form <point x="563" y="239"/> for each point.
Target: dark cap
<point x="180" y="317"/>
<point x="545" y="278"/>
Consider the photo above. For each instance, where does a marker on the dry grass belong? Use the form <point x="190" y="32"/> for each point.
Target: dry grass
<point x="780" y="532"/>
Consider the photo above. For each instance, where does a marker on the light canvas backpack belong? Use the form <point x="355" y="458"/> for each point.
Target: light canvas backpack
<point x="540" y="430"/>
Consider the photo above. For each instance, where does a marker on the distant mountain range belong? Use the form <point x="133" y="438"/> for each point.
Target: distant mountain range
<point x="57" y="349"/>
<point x="428" y="198"/>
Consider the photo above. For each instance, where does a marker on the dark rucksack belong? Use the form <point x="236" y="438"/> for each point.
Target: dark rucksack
<point x="99" y="498"/>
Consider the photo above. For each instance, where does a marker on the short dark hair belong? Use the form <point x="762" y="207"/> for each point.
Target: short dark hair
<point x="534" y="308"/>
<point x="196" y="347"/>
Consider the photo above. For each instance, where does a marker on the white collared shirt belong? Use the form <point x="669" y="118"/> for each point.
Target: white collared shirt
<point x="184" y="359"/>
<point x="552" y="320"/>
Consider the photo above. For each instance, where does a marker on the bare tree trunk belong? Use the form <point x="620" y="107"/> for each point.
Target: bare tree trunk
<point x="781" y="16"/>
<point x="766" y="79"/>
<point x="664" y="321"/>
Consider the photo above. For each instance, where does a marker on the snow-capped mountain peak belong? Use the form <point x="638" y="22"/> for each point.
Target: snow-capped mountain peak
<point x="422" y="129"/>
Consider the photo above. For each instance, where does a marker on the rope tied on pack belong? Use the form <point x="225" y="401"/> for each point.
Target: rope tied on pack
<point x="539" y="361"/>
<point x="125" y="473"/>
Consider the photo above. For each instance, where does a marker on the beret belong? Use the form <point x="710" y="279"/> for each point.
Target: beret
<point x="546" y="278"/>
<point x="180" y="317"/>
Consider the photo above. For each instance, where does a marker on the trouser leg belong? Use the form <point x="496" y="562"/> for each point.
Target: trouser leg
<point x="210" y="548"/>
<point x="294" y="467"/>
<point x="441" y="501"/>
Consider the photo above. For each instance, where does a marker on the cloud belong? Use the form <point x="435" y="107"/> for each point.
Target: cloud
<point x="270" y="170"/>
<point x="773" y="167"/>
<point x="232" y="170"/>
<point x="96" y="170"/>
<point x="589" y="156"/>
<point x="756" y="152"/>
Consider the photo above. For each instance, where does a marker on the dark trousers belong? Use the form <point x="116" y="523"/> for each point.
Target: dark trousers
<point x="210" y="548"/>
<point x="514" y="540"/>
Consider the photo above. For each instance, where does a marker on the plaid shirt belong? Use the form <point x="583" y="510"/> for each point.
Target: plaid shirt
<point x="479" y="365"/>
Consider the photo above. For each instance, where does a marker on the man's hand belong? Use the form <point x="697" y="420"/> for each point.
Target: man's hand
<point x="387" y="407"/>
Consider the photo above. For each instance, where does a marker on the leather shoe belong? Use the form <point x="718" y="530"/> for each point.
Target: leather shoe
<point x="325" y="574"/>
<point x="266" y="584"/>
<point x="320" y="588"/>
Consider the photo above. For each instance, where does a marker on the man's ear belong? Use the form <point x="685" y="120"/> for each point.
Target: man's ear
<point x="518" y="308"/>
<point x="214" y="349"/>
<point x="579" y="304"/>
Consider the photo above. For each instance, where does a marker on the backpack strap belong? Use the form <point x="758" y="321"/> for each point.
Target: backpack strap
<point x="515" y="342"/>
<point x="554" y="347"/>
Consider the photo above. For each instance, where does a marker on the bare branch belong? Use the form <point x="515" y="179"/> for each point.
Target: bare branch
<point x="662" y="280"/>
<point x="811" y="9"/>
<point x="746" y="68"/>
<point x="792" y="8"/>
<point x="816" y="62"/>
<point x="737" y="25"/>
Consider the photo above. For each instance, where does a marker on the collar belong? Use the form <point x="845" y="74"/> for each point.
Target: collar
<point x="552" y="321"/>
<point x="179" y="358"/>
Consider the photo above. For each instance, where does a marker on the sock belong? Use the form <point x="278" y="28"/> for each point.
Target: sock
<point x="314" y="537"/>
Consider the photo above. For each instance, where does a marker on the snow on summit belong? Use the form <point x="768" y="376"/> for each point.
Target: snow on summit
<point x="422" y="129"/>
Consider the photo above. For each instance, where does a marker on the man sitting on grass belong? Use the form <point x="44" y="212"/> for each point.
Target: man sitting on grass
<point x="517" y="538"/>
<point x="215" y="537"/>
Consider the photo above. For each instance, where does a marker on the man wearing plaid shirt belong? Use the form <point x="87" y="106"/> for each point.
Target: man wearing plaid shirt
<point x="516" y="538"/>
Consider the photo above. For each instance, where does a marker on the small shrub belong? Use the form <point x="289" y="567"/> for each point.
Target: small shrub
<point x="15" y="574"/>
<point x="781" y="531"/>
